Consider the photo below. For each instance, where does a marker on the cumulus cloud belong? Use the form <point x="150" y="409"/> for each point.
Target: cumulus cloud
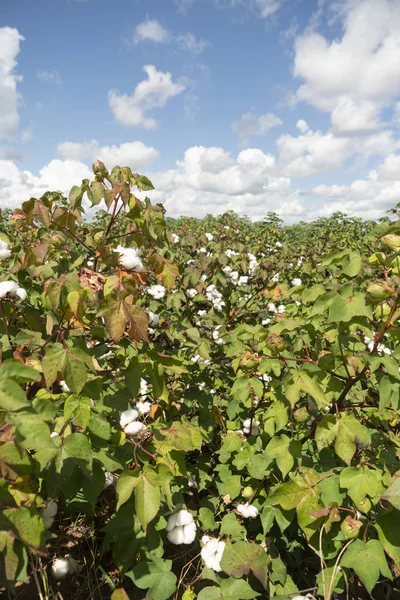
<point x="16" y="186"/>
<point x="356" y="76"/>
<point x="150" y="30"/>
<point x="153" y="30"/>
<point x="262" y="8"/>
<point x="10" y="39"/>
<point x="150" y="93"/>
<point x="130" y="154"/>
<point x="250" y="125"/>
<point x="49" y="76"/>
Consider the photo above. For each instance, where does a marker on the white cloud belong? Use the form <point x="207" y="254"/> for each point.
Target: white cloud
<point x="356" y="76"/>
<point x="150" y="30"/>
<point x="150" y="93"/>
<point x="190" y="43"/>
<point x="153" y="30"/>
<point x="49" y="76"/>
<point x="17" y="186"/>
<point x="251" y="125"/>
<point x="130" y="154"/>
<point x="11" y="154"/>
<point x="10" y="39"/>
<point x="268" y="8"/>
<point x="184" y="5"/>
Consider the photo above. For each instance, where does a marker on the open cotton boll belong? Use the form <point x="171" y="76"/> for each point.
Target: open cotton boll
<point x="296" y="281"/>
<point x="154" y="319"/>
<point x="49" y="513"/>
<point x="255" y="427"/>
<point x="8" y="288"/>
<point x="129" y="258"/>
<point x="209" y="236"/>
<point x="109" y="479"/>
<point x="181" y="528"/>
<point x="191" y="293"/>
<point x="212" y="552"/>
<point x="175" y="238"/>
<point x="127" y="417"/>
<point x="143" y="407"/>
<point x="60" y="568"/>
<point x="248" y="511"/>
<point x="189" y="533"/>
<point x="183" y="517"/>
<point x="278" y="245"/>
<point x="176" y="536"/>
<point x="4" y="250"/>
<point x="134" y="428"/>
<point x="64" y="387"/>
<point x="157" y="291"/>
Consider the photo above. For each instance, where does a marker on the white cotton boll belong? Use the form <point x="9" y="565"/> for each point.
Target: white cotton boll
<point x="204" y="540"/>
<point x="4" y="250"/>
<point x="143" y="407"/>
<point x="171" y="523"/>
<point x="209" y="236"/>
<point x="242" y="509"/>
<point x="271" y="307"/>
<point x="8" y="288"/>
<point x="154" y="319"/>
<point x="203" y="278"/>
<point x="281" y="309"/>
<point x="201" y="313"/>
<point x="191" y="293"/>
<point x="21" y="293"/>
<point x="203" y="250"/>
<point x="129" y="258"/>
<point x="176" y="536"/>
<point x="227" y="269"/>
<point x="296" y="282"/>
<point x="275" y="278"/>
<point x="109" y="479"/>
<point x="157" y="291"/>
<point x="255" y="427"/>
<point x="175" y="238"/>
<point x="265" y="322"/>
<point x="278" y="245"/>
<point x="49" y="513"/>
<point x="243" y="280"/>
<point x="189" y="533"/>
<point x="54" y="434"/>
<point x="128" y="416"/>
<point x="248" y="511"/>
<point x="212" y="552"/>
<point x="252" y="511"/>
<point x="60" y="568"/>
<point x="299" y="598"/>
<point x="134" y="428"/>
<point x="192" y="483"/>
<point x="64" y="387"/>
<point x="143" y="388"/>
<point x="183" y="517"/>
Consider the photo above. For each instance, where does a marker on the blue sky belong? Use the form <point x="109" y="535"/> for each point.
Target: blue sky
<point x="250" y="105"/>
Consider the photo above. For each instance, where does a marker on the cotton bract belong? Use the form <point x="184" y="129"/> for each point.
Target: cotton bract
<point x="129" y="258"/>
<point x="4" y="250"/>
<point x="248" y="511"/>
<point x="181" y="528"/>
<point x="211" y="552"/>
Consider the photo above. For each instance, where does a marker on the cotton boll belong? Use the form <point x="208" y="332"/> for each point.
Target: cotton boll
<point x="154" y="319"/>
<point x="191" y="293"/>
<point x="299" y="598"/>
<point x="175" y="238"/>
<point x="109" y="479"/>
<point x="189" y="533"/>
<point x="143" y="407"/>
<point x="255" y="427"/>
<point x="176" y="536"/>
<point x="21" y="293"/>
<point x="51" y="509"/>
<point x="192" y="483"/>
<point x="54" y="434"/>
<point x="127" y="417"/>
<point x="7" y="288"/>
<point x="134" y="428"/>
<point x="60" y="568"/>
<point x="248" y="511"/>
<point x="252" y="511"/>
<point x="143" y="388"/>
<point x="64" y="387"/>
<point x="183" y="517"/>
<point x="209" y="236"/>
<point x="278" y="245"/>
<point x="296" y="282"/>
<point x="212" y="552"/>
<point x="129" y="258"/>
<point x="157" y="291"/>
<point x="4" y="250"/>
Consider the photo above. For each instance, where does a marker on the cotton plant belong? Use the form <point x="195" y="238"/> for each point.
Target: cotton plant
<point x="129" y="258"/>
<point x="181" y="528"/>
<point x="215" y="297"/>
<point x="11" y="290"/>
<point x="212" y="551"/>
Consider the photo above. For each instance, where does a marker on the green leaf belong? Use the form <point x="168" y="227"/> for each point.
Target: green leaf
<point x="360" y="482"/>
<point x="302" y="382"/>
<point x="350" y="432"/>
<point x="147" y="500"/>
<point x="240" y="558"/>
<point x="156" y="576"/>
<point x="392" y="494"/>
<point x="388" y="527"/>
<point x="119" y="594"/>
<point x="368" y="562"/>
<point x="126" y="483"/>
<point x="231" y="589"/>
<point x="345" y="308"/>
<point x="13" y="369"/>
<point x="12" y="397"/>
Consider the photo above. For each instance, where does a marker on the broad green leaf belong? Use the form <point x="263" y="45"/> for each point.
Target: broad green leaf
<point x="12" y="397"/>
<point x="240" y="558"/>
<point x="388" y="527"/>
<point x="126" y="483"/>
<point x="231" y="589"/>
<point x="147" y="500"/>
<point x="156" y="576"/>
<point x="392" y="494"/>
<point x="368" y="562"/>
